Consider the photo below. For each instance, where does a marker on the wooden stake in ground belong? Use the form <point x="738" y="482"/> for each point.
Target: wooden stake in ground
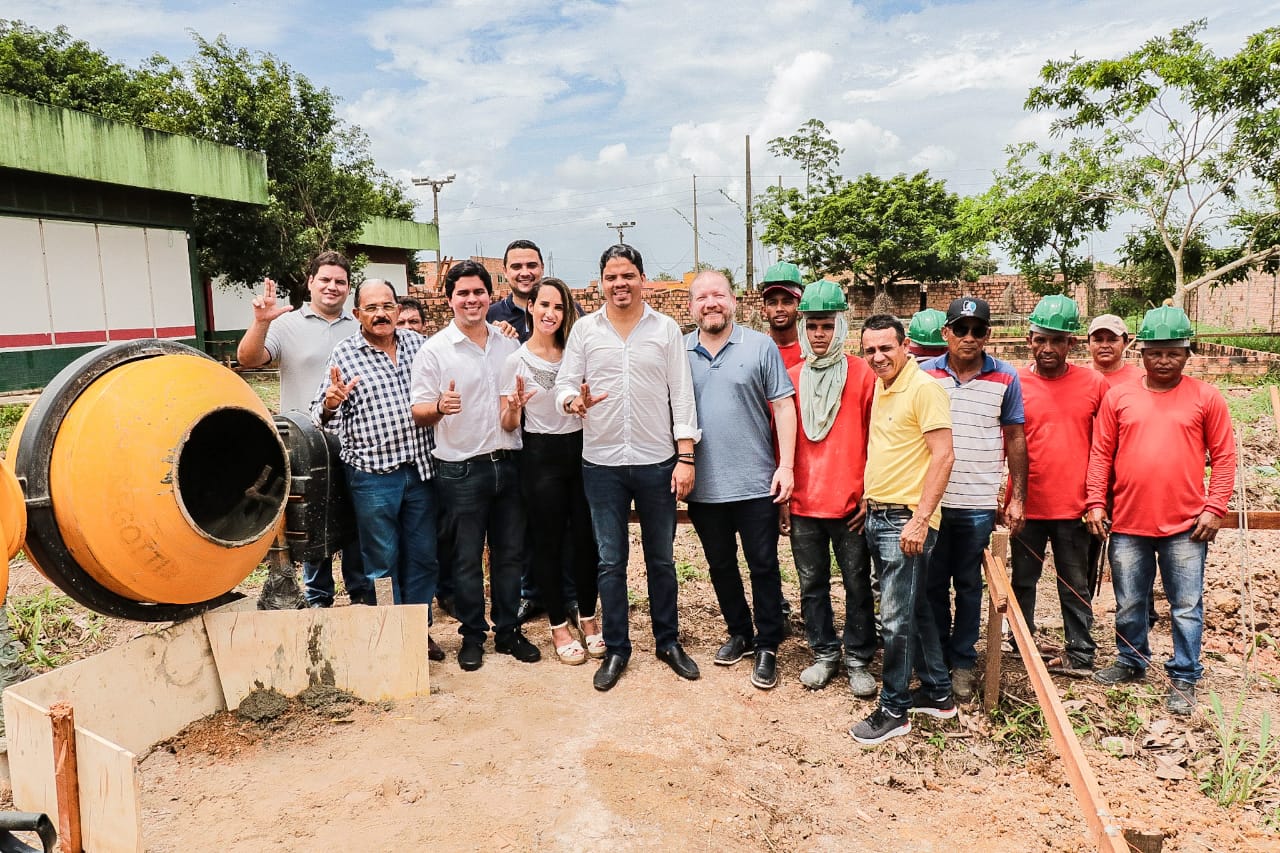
<point x="66" y="776"/>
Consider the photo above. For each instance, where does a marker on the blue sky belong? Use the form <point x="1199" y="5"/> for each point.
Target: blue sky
<point x="558" y="116"/>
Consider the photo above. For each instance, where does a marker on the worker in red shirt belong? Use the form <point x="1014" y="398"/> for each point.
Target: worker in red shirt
<point x="1149" y="447"/>
<point x="780" y="294"/>
<point x="1108" y="339"/>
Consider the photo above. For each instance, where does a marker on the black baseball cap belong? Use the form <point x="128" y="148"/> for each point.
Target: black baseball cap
<point x="968" y="306"/>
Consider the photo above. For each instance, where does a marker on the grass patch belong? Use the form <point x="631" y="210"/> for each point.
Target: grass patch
<point x="1244" y="763"/>
<point x="51" y="628"/>
<point x="1261" y="343"/>
<point x="267" y="387"/>
<point x="9" y="417"/>
<point x="686" y="571"/>
<point x="1250" y="408"/>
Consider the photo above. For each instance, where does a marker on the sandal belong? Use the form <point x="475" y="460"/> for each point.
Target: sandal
<point x="594" y="642"/>
<point x="571" y="653"/>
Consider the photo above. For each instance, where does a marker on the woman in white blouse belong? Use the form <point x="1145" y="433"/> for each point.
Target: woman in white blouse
<point x="551" y="472"/>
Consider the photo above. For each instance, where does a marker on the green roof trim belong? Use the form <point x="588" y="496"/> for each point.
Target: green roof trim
<point x="387" y="233"/>
<point x="35" y="137"/>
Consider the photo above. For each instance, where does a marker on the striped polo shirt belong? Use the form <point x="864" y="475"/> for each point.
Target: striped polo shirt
<point x="980" y="408"/>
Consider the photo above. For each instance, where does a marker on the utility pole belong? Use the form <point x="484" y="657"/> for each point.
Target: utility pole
<point x="751" y="262"/>
<point x="435" y="184"/>
<point x="620" y="227"/>
<point x="695" y="225"/>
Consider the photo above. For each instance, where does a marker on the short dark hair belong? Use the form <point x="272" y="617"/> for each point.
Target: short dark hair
<point x="521" y="244"/>
<point x="462" y="269"/>
<point x="880" y="322"/>
<point x="369" y="281"/>
<point x="410" y="302"/>
<point x="328" y="258"/>
<point x="622" y="250"/>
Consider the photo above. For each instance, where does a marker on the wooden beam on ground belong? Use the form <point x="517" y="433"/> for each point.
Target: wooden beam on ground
<point x="995" y="615"/>
<point x="1275" y="405"/>
<point x="66" y="777"/>
<point x="1102" y="825"/>
<point x="1261" y="520"/>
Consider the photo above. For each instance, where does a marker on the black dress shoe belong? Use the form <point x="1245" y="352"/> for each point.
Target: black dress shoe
<point x="734" y="650"/>
<point x="434" y="652"/>
<point x="765" y="673"/>
<point x="471" y="655"/>
<point x="680" y="663"/>
<point x="529" y="608"/>
<point x="609" y="672"/>
<point x="516" y="645"/>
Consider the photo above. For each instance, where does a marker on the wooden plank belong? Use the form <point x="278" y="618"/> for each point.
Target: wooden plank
<point x="1102" y="825"/>
<point x="1275" y="405"/>
<point x="999" y="544"/>
<point x="110" y="795"/>
<point x="374" y="652"/>
<point x="66" y="776"/>
<point x="1261" y="520"/>
<point x="141" y="692"/>
<point x="30" y="745"/>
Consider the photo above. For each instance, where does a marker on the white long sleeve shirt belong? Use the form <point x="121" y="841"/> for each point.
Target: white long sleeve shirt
<point x="650" y="402"/>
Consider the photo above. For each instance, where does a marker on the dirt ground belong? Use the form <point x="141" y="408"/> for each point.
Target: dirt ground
<point x="521" y="756"/>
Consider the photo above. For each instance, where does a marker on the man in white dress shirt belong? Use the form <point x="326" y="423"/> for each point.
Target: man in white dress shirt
<point x="456" y="376"/>
<point x="625" y="372"/>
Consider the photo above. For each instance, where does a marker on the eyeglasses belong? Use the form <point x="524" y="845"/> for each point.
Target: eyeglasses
<point x="385" y="308"/>
<point x="964" y="330"/>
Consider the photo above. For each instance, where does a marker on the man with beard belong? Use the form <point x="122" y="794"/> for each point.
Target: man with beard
<point x="300" y="342"/>
<point x="780" y="293"/>
<point x="625" y="372"/>
<point x="387" y="456"/>
<point x="740" y="385"/>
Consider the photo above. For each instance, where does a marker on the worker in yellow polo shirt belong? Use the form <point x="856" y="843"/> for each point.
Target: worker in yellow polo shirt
<point x="909" y="458"/>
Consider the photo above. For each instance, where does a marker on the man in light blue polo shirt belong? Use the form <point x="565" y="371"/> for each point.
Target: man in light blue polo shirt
<point x="742" y="389"/>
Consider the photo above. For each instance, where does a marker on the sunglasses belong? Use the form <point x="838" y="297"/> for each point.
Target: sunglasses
<point x="964" y="330"/>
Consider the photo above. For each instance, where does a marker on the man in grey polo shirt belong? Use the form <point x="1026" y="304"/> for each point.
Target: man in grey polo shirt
<point x="739" y="381"/>
<point x="300" y="342"/>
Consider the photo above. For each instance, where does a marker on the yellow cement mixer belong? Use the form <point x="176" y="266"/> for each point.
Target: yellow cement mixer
<point x="150" y="480"/>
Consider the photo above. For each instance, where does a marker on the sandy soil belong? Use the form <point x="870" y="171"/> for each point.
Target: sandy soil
<point x="519" y="756"/>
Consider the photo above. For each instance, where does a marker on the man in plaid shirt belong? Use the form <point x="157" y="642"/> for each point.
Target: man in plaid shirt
<point x="365" y="400"/>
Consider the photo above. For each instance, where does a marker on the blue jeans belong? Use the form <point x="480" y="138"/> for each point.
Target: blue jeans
<point x="482" y="500"/>
<point x="610" y="491"/>
<point x="396" y="516"/>
<point x="719" y="525"/>
<point x="1071" y="562"/>
<point x="812" y="542"/>
<point x="957" y="560"/>
<point x="910" y="635"/>
<point x="1134" y="560"/>
<point x="317" y="577"/>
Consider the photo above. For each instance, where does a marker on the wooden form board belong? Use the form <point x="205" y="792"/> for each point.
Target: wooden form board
<point x="374" y="652"/>
<point x="128" y="698"/>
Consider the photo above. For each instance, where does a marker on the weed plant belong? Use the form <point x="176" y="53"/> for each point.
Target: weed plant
<point x="1242" y="768"/>
<point x="51" y="628"/>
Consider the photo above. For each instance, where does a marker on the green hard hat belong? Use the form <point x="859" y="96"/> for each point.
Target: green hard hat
<point x="926" y="328"/>
<point x="1056" y="313"/>
<point x="1165" y="324"/>
<point x="823" y="297"/>
<point x="783" y="271"/>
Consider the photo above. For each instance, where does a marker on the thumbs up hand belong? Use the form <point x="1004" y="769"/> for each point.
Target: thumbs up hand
<point x="450" y="402"/>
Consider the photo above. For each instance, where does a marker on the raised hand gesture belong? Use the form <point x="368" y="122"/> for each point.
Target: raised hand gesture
<point x="450" y="402"/>
<point x="584" y="401"/>
<point x="520" y="397"/>
<point x="265" y="306"/>
<point x="338" y="391"/>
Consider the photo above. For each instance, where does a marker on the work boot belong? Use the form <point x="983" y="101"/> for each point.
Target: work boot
<point x="963" y="681"/>
<point x="819" y="673"/>
<point x="1182" y="697"/>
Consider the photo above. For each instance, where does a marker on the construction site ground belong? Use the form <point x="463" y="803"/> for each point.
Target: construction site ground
<point x="523" y="756"/>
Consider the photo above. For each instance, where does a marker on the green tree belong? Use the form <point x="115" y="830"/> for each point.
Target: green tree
<point x="788" y="213"/>
<point x="1146" y="264"/>
<point x="816" y="150"/>
<point x="322" y="182"/>
<point x="1177" y="135"/>
<point x="1041" y="207"/>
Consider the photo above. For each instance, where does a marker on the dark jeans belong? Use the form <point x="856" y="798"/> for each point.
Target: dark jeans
<point x="1071" y="540"/>
<point x="317" y="577"/>
<point x="482" y="499"/>
<point x="756" y="523"/>
<point x="812" y="542"/>
<point x="910" y="636"/>
<point x="610" y="491"/>
<point x="556" y="506"/>
<point x="957" y="560"/>
<point x="396" y="517"/>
